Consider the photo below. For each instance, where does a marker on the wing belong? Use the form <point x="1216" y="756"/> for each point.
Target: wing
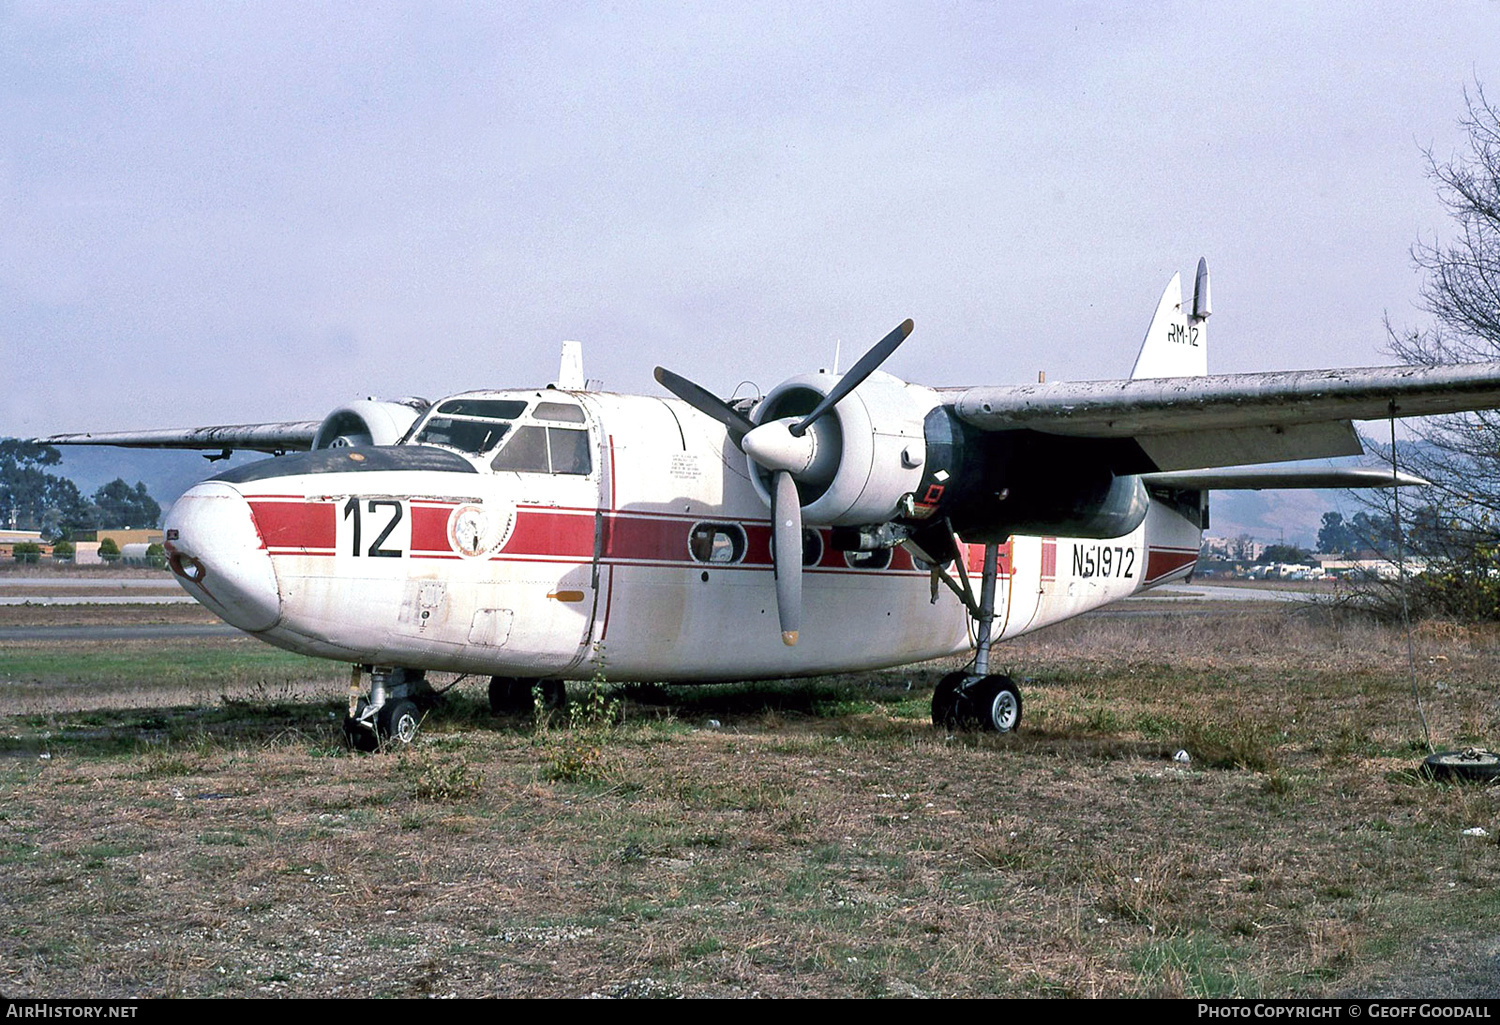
<point x="272" y="438"/>
<point x="1183" y="423"/>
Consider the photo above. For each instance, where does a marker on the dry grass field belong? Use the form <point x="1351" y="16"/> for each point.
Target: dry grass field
<point x="178" y="817"/>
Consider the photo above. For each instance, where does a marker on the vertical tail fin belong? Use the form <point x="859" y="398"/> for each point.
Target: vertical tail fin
<point x="1176" y="343"/>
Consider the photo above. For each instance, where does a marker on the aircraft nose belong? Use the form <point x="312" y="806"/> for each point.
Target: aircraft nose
<point x="218" y="556"/>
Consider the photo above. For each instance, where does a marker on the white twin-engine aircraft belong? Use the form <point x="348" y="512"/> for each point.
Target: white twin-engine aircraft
<point x="531" y="535"/>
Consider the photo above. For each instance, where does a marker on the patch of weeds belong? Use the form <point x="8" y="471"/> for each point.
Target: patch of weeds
<point x="1102" y="720"/>
<point x="447" y="782"/>
<point x="95" y="855"/>
<point x="704" y="947"/>
<point x="837" y="709"/>
<point x="1192" y="965"/>
<point x="161" y="763"/>
<point x="576" y="755"/>
<point x="1237" y="744"/>
<point x="1155" y="726"/>
<point x="223" y="838"/>
<point x="919" y="708"/>
<point x="1278" y="783"/>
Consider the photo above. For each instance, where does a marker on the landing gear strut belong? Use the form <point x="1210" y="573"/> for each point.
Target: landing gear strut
<point x="392" y="711"/>
<point x="976" y="699"/>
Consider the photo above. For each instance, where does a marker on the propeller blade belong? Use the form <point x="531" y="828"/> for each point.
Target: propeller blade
<point x="786" y="529"/>
<point x="867" y="365"/>
<point x="705" y="402"/>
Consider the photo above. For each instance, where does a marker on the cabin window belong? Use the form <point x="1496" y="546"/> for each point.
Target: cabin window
<point x="546" y="450"/>
<point x="812" y="546"/>
<point x="721" y="543"/>
<point x="558" y="412"/>
<point x="880" y="558"/>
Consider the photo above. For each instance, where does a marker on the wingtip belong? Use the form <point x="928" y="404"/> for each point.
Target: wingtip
<point x="789" y="638"/>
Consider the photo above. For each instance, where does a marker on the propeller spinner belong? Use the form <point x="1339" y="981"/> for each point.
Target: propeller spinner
<point x="788" y="450"/>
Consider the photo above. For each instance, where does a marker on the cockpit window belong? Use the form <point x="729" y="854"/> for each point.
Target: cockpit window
<point x="475" y="426"/>
<point x="559" y="412"/>
<point x="569" y="450"/>
<point x="546" y="450"/>
<point x="476" y="436"/>
<point x="526" y="453"/>
<point x="495" y="409"/>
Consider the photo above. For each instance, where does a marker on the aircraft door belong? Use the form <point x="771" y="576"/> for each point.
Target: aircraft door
<point x="553" y="465"/>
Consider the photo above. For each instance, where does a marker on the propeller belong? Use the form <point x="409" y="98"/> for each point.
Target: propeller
<point x="867" y="365"/>
<point x="705" y="402"/>
<point x="786" y="449"/>
<point x="786" y="533"/>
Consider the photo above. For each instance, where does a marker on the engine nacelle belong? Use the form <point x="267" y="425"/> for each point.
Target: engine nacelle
<point x="871" y="449"/>
<point x="369" y="422"/>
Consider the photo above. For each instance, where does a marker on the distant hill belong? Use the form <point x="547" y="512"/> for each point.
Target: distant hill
<point x="1272" y="515"/>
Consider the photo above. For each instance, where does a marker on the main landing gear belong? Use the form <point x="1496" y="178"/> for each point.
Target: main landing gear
<point x="392" y="711"/>
<point x="976" y="699"/>
<point x="512" y="696"/>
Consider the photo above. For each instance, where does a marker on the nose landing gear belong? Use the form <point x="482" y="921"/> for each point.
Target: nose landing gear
<point x="393" y="710"/>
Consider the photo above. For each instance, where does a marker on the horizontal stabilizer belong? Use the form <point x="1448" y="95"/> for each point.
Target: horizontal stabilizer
<point x="1259" y="478"/>
<point x="272" y="438"/>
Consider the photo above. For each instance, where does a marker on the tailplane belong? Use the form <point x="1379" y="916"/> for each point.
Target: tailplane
<point x="1176" y="343"/>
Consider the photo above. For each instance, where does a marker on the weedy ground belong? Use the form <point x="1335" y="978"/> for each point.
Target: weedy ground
<point x="821" y="840"/>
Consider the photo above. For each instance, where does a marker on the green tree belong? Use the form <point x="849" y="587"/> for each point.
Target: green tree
<point x="63" y="551"/>
<point x="31" y="498"/>
<point x="1284" y="554"/>
<point x="123" y="507"/>
<point x="108" y="550"/>
<point x="26" y="551"/>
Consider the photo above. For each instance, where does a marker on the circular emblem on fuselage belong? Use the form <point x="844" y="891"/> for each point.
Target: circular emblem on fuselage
<point x="474" y="531"/>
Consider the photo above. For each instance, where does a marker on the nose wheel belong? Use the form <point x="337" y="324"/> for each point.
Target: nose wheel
<point x="391" y="713"/>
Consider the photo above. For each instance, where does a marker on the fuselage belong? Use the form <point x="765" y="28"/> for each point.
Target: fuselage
<point x="548" y="533"/>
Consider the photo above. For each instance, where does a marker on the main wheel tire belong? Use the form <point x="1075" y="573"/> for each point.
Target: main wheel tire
<point x="554" y="694"/>
<point x="358" y="736"/>
<point x="509" y="696"/>
<point x="1468" y="765"/>
<point x="997" y="704"/>
<point x="397" y="722"/>
<point x="945" y="701"/>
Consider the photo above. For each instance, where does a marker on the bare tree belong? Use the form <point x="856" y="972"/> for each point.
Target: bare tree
<point x="1457" y="520"/>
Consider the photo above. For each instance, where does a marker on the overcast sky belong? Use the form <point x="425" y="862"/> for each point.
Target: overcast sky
<point x="216" y="212"/>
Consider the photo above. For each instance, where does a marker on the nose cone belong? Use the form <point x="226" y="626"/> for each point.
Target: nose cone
<point x="219" y="557"/>
<point x="774" y="446"/>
